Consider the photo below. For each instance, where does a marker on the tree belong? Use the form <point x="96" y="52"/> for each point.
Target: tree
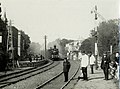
<point x="87" y="45"/>
<point x="34" y="48"/>
<point x="63" y="43"/>
<point x="26" y="42"/>
<point x="108" y="35"/>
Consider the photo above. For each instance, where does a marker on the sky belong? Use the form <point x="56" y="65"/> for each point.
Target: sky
<point x="70" y="19"/>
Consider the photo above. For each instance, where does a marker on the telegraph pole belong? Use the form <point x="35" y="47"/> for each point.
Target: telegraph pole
<point x="96" y="37"/>
<point x="45" y="46"/>
<point x="96" y="41"/>
<point x="0" y="11"/>
<point x="10" y="43"/>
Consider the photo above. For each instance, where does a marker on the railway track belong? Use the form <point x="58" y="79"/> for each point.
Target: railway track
<point x="22" y="75"/>
<point x="51" y="81"/>
<point x="70" y="79"/>
<point x="46" y="82"/>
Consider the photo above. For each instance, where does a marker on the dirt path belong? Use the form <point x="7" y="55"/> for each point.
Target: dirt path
<point x="96" y="81"/>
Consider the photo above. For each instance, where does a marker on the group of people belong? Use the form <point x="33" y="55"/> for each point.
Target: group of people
<point x="107" y="65"/>
<point x="37" y="57"/>
<point x="87" y="60"/>
<point x="110" y="66"/>
<point x="84" y="64"/>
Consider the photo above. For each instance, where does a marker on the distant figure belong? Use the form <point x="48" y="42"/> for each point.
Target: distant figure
<point x="84" y="65"/>
<point x="79" y="56"/>
<point x="105" y="65"/>
<point x="117" y="57"/>
<point x="36" y="57"/>
<point x="16" y="60"/>
<point x="68" y="55"/>
<point x="117" y="62"/>
<point x="113" y="68"/>
<point x="30" y="58"/>
<point x="92" y="62"/>
<point x="41" y="57"/>
<point x="66" y="67"/>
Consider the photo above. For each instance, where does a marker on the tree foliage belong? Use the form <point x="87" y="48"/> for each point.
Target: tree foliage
<point x="107" y="34"/>
<point x="26" y="42"/>
<point x="35" y="48"/>
<point x="87" y="45"/>
<point x="63" y="43"/>
<point x="26" y="39"/>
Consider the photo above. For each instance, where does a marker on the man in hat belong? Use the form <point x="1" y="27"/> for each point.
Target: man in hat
<point x="105" y="65"/>
<point x="66" y="67"/>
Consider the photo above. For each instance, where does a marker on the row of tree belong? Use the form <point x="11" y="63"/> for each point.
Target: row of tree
<point x="26" y="44"/>
<point x="107" y="35"/>
<point x="35" y="48"/>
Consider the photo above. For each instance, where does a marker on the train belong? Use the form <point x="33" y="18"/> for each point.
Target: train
<point x="54" y="53"/>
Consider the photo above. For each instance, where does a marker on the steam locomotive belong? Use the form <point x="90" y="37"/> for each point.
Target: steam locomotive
<point x="55" y="54"/>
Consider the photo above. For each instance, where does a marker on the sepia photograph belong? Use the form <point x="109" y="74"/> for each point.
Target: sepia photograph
<point x="59" y="44"/>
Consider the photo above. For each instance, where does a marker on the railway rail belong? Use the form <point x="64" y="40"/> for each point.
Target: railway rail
<point x="46" y="82"/>
<point x="70" y="79"/>
<point x="55" y="77"/>
<point x="32" y="68"/>
<point x="22" y="75"/>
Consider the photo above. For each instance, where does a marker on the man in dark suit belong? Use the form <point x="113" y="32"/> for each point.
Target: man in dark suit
<point x="105" y="65"/>
<point x="66" y="67"/>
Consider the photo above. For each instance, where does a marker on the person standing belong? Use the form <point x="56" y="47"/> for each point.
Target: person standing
<point x="68" y="55"/>
<point x="66" y="67"/>
<point x="105" y="65"/>
<point x="84" y="65"/>
<point x="113" y="68"/>
<point x="117" y="57"/>
<point x="16" y="61"/>
<point x="30" y="58"/>
<point x="92" y="62"/>
<point x="117" y="62"/>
